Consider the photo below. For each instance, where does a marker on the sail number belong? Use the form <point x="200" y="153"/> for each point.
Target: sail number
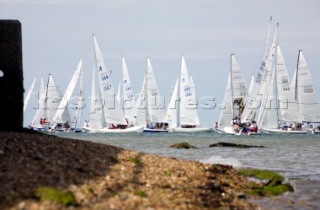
<point x="107" y="87"/>
<point x="259" y="78"/>
<point x="308" y="89"/>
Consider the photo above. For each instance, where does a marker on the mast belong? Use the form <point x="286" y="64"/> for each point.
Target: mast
<point x="178" y="94"/>
<point x="296" y="86"/>
<point x="146" y="94"/>
<point x="231" y="86"/>
<point x="81" y="99"/>
<point x="276" y="81"/>
<point x="46" y="98"/>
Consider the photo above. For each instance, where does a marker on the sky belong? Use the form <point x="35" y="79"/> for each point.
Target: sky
<point x="57" y="33"/>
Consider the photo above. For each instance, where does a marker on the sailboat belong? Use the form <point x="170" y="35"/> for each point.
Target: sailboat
<point x="129" y="103"/>
<point x="150" y="106"/>
<point x="235" y="93"/>
<point x="265" y="93"/>
<point x="79" y="106"/>
<point x="306" y="96"/>
<point x="281" y="103"/>
<point x="187" y="116"/>
<point x="253" y="100"/>
<point x="56" y="123"/>
<point x="49" y="100"/>
<point x="96" y="116"/>
<point x="113" y="115"/>
<point x="172" y="114"/>
<point x="40" y="113"/>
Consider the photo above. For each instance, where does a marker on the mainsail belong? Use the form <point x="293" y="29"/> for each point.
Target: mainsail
<point x="188" y="108"/>
<point x="27" y="98"/>
<point x="260" y="87"/>
<point x="112" y="110"/>
<point x="306" y="96"/>
<point x="234" y="95"/>
<point x="129" y="106"/>
<point x="66" y="97"/>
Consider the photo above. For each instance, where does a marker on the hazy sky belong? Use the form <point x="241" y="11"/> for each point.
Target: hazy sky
<point x="57" y="33"/>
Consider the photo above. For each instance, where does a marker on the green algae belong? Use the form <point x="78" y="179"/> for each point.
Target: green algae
<point x="51" y="194"/>
<point x="272" y="185"/>
<point x="135" y="160"/>
<point x="261" y="174"/>
<point x="141" y="193"/>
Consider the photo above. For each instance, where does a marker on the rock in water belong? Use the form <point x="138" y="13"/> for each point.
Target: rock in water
<point x="227" y="144"/>
<point x="183" y="145"/>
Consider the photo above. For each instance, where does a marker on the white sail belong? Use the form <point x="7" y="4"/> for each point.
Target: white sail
<point x="130" y="109"/>
<point x="251" y="84"/>
<point x="40" y="113"/>
<point x="260" y="87"/>
<point x="188" y="108"/>
<point x="155" y="106"/>
<point x="288" y="109"/>
<point x="141" y="106"/>
<point x="306" y="96"/>
<point x="235" y="93"/>
<point x="119" y="92"/>
<point x="194" y="98"/>
<point x="80" y="102"/>
<point x="63" y="105"/>
<point x="226" y="114"/>
<point x="96" y="118"/>
<point x="53" y="97"/>
<point x="112" y="110"/>
<point x="172" y="111"/>
<point x="269" y="110"/>
<point x="266" y="82"/>
<point x="27" y="98"/>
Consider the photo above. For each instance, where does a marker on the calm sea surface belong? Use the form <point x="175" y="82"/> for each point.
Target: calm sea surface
<point x="297" y="157"/>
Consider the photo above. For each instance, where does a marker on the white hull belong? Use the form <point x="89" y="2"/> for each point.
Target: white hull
<point x="225" y="130"/>
<point x="273" y="130"/>
<point x="90" y="130"/>
<point x="36" y="128"/>
<point x="191" y="130"/>
<point x="134" y="129"/>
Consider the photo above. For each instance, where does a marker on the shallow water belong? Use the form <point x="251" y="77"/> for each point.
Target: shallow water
<point x="296" y="156"/>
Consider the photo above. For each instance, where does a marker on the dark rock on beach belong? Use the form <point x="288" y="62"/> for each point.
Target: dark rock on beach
<point x="227" y="144"/>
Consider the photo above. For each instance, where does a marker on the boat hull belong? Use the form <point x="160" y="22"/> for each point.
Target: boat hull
<point x="226" y="130"/>
<point x="279" y="131"/>
<point x="191" y="130"/>
<point x="134" y="129"/>
<point x="148" y="130"/>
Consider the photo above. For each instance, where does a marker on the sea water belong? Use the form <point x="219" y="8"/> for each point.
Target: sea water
<point x="295" y="156"/>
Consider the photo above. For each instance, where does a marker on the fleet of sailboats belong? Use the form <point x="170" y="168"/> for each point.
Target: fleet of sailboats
<point x="278" y="105"/>
<point x="272" y="100"/>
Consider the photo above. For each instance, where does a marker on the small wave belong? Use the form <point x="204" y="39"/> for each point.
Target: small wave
<point x="224" y="161"/>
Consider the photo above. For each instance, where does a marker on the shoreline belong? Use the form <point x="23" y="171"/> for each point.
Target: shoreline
<point x="104" y="176"/>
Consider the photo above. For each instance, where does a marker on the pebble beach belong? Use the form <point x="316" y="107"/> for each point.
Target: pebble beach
<point x="99" y="176"/>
